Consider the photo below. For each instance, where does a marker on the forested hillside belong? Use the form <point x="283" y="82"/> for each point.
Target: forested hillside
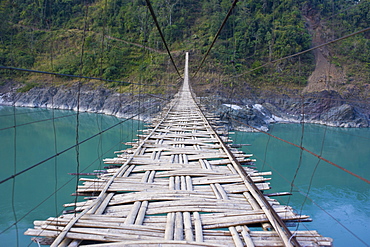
<point x="117" y="40"/>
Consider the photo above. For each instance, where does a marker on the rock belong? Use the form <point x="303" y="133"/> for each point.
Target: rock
<point x="256" y="116"/>
<point x="98" y="100"/>
<point x="325" y="107"/>
<point x="344" y="116"/>
<point x="341" y="113"/>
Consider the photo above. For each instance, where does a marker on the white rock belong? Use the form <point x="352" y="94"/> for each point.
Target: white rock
<point x="235" y="107"/>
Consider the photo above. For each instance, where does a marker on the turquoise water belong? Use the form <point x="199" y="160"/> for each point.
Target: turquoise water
<point x="339" y="203"/>
<point x="335" y="196"/>
<point x="36" y="142"/>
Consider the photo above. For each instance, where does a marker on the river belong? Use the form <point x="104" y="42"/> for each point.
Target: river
<point x="338" y="202"/>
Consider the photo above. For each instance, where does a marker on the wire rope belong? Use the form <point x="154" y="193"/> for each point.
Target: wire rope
<point x="14" y="146"/>
<point x="121" y="127"/>
<point x="132" y="122"/>
<point x="79" y="85"/>
<point x="216" y="36"/>
<point x="99" y="146"/>
<point x="313" y="174"/>
<point x="55" y="160"/>
<point x="331" y="216"/>
<point x="161" y="34"/>
<point x="139" y="106"/>
<point x="300" y="151"/>
<point x="13" y="180"/>
<point x="104" y="18"/>
<point x="317" y="164"/>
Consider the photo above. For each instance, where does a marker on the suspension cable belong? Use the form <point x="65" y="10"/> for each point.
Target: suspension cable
<point x="215" y="38"/>
<point x="79" y="85"/>
<point x="161" y="34"/>
<point x="14" y="181"/>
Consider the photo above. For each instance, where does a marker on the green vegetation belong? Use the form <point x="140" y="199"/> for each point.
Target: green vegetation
<point x="27" y="87"/>
<point x="354" y="52"/>
<point x="117" y="40"/>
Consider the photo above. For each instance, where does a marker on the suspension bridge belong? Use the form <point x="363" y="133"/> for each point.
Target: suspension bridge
<point x="181" y="184"/>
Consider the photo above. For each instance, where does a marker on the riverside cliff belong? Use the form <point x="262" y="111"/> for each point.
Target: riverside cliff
<point x="325" y="107"/>
<point x="96" y="100"/>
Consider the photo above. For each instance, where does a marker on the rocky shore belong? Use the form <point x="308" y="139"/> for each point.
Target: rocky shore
<point x="325" y="107"/>
<point x="98" y="100"/>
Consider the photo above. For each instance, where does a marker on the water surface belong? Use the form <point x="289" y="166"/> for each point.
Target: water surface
<point x="32" y="194"/>
<point x="338" y="203"/>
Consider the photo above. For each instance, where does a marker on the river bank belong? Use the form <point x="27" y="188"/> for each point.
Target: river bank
<point x="325" y="107"/>
<point x="86" y="99"/>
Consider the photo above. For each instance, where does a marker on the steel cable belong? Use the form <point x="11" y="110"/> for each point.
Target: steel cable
<point x="216" y="36"/>
<point x="161" y="34"/>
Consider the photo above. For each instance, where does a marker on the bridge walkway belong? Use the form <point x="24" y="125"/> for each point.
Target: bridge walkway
<point x="180" y="184"/>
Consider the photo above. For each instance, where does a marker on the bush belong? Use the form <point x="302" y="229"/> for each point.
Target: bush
<point x="27" y="87"/>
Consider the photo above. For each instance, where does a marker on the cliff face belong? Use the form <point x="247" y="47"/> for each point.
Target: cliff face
<point x="325" y="107"/>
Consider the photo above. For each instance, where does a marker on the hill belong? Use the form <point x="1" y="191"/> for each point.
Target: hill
<point x="117" y="40"/>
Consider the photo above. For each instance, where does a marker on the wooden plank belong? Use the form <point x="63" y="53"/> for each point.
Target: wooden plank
<point x="246" y="236"/>
<point x="188" y="227"/>
<point x="235" y="235"/>
<point x="104" y="204"/>
<point x="179" y="226"/>
<point x="141" y="215"/>
<point x="170" y="226"/>
<point x="132" y="215"/>
<point x="198" y="227"/>
<point x="189" y="183"/>
<point x="155" y="243"/>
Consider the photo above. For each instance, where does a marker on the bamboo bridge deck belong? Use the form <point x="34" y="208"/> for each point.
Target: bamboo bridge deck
<point x="180" y="184"/>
